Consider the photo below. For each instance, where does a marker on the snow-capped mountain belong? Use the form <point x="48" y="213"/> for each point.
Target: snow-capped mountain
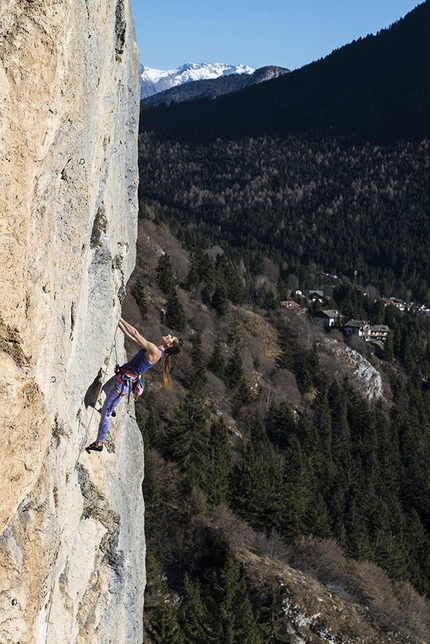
<point x="214" y="87"/>
<point x="158" y="80"/>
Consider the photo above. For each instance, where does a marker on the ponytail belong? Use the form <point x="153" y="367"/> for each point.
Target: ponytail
<point x="174" y="350"/>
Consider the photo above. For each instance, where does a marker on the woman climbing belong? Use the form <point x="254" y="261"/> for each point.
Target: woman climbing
<point x="125" y="381"/>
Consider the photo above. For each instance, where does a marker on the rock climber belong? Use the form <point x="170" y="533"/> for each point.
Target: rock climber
<point x="127" y="378"/>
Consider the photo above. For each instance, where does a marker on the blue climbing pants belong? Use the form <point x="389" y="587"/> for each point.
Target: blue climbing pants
<point x="112" y="389"/>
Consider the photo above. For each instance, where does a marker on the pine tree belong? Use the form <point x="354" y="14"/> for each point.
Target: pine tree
<point x="295" y="493"/>
<point x="199" y="378"/>
<point x="149" y="422"/>
<point x="162" y="625"/>
<point x="388" y="351"/>
<point x="220" y="463"/>
<point x="242" y="395"/>
<point x="165" y="275"/>
<point x="303" y="378"/>
<point x="219" y="298"/>
<point x="233" y="337"/>
<point x="271" y="300"/>
<point x="217" y="362"/>
<point x="193" y="616"/>
<point x="272" y="618"/>
<point x="175" y="314"/>
<point x="139" y="294"/>
<point x="256" y="481"/>
<point x="234" y="371"/>
<point x="187" y="440"/>
<point x="155" y="509"/>
<point x="233" y="620"/>
<point x="285" y="360"/>
<point x="280" y="424"/>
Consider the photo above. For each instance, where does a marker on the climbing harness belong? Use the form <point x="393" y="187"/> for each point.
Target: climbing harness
<point x="134" y="384"/>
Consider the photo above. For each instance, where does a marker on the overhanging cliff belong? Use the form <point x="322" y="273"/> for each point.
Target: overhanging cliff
<point x="71" y="524"/>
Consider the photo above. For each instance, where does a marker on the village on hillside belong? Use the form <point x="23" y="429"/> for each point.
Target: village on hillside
<point x="332" y="318"/>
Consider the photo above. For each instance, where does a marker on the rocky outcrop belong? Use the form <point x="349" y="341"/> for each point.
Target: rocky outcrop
<point x="363" y="374"/>
<point x="71" y="524"/>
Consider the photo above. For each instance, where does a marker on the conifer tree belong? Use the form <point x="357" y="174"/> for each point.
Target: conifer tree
<point x="193" y="278"/>
<point x="285" y="360"/>
<point x="234" y="371"/>
<point x="217" y="362"/>
<point x="162" y="625"/>
<point x="388" y="351"/>
<point x="233" y="620"/>
<point x="175" y="314"/>
<point x="242" y="395"/>
<point x="295" y="494"/>
<point x="155" y="509"/>
<point x="149" y="422"/>
<point x="139" y="294"/>
<point x="219" y="298"/>
<point x="193" y="615"/>
<point x="303" y="378"/>
<point x="280" y="424"/>
<point x="220" y="463"/>
<point x="199" y="378"/>
<point x="341" y="439"/>
<point x="236" y="291"/>
<point x="165" y="275"/>
<point x="270" y="299"/>
<point x="272" y="619"/>
<point x="233" y="337"/>
<point x="256" y="481"/>
<point x="187" y="441"/>
<point x="207" y="272"/>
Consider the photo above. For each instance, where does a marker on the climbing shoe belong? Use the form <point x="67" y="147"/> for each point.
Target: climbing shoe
<point x="95" y="447"/>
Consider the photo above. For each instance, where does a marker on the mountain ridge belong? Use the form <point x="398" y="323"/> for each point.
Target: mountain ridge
<point x="214" y="87"/>
<point x="154" y="81"/>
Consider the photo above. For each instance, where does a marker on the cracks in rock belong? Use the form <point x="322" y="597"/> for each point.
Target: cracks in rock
<point x="10" y="343"/>
<point x="99" y="228"/>
<point x="120" y="27"/>
<point x="97" y="507"/>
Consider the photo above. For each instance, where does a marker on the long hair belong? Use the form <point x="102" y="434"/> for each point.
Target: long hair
<point x="174" y="350"/>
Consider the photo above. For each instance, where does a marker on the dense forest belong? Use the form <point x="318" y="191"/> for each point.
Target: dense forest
<point x="303" y="202"/>
<point x="272" y="448"/>
<point x="269" y="459"/>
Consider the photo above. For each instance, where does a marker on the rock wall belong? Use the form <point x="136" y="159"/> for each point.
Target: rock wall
<point x="71" y="524"/>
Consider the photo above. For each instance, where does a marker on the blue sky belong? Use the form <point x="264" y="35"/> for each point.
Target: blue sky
<point x="288" y="33"/>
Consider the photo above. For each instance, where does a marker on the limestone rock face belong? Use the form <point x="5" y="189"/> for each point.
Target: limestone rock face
<point x="71" y="524"/>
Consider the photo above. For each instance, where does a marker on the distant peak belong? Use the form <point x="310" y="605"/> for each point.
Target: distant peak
<point x="159" y="80"/>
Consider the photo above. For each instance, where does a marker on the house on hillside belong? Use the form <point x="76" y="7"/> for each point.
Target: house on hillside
<point x="378" y="332"/>
<point x="315" y="296"/>
<point x="328" y="317"/>
<point x="291" y="305"/>
<point x="366" y="330"/>
<point x="360" y="327"/>
<point x="393" y="301"/>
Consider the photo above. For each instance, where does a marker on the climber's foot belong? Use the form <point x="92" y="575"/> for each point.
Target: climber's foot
<point x="95" y="447"/>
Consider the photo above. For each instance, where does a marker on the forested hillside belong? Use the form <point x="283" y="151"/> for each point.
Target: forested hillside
<point x="303" y="202"/>
<point x="267" y="452"/>
<point x="280" y="493"/>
